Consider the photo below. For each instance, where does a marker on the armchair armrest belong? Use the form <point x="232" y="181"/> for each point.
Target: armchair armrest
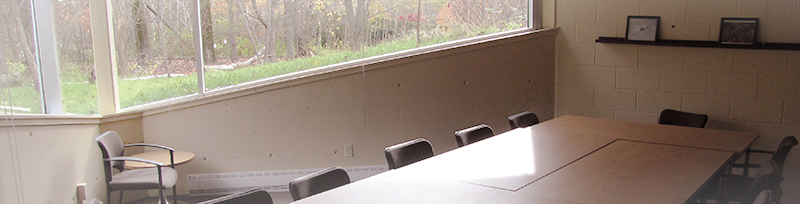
<point x="171" y="150"/>
<point x="149" y="145"/>
<point x="746" y="165"/>
<point x="135" y="159"/>
<point x="760" y="151"/>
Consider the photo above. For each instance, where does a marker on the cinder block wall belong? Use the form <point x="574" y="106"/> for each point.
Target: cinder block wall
<point x="740" y="89"/>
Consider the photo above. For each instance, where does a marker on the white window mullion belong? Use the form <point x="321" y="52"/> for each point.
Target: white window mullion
<point x="535" y="14"/>
<point x="104" y="56"/>
<point x="198" y="48"/>
<point x="47" y="56"/>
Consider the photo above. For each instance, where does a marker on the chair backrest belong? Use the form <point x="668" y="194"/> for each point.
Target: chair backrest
<point x="409" y="152"/>
<point x="769" y="177"/>
<point x="318" y="182"/>
<point x="524" y="119"/>
<point x="783" y="150"/>
<point x="473" y="134"/>
<point x="680" y="118"/>
<point x="253" y="196"/>
<point x="111" y="146"/>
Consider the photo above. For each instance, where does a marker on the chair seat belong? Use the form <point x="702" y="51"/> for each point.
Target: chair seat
<point x="138" y="179"/>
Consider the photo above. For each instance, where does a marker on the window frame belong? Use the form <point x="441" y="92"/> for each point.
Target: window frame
<point x="105" y="63"/>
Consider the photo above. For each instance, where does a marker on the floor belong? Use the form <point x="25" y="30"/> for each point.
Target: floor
<point x="277" y="198"/>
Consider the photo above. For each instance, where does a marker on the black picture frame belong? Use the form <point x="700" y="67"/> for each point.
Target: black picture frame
<point x="642" y="28"/>
<point x="739" y="31"/>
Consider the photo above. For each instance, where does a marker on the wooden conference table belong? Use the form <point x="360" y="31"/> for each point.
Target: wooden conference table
<point x="569" y="159"/>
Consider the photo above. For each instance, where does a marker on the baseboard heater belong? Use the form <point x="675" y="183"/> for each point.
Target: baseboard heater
<point x="273" y="181"/>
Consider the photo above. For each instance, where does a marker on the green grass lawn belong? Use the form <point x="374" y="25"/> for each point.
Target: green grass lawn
<point x="81" y="98"/>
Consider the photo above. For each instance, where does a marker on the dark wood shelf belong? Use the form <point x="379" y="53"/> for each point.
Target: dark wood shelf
<point x="710" y="44"/>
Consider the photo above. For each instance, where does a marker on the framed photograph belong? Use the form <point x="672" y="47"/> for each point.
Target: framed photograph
<point x="741" y="31"/>
<point x="642" y="28"/>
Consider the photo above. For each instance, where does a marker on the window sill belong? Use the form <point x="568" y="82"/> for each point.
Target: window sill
<point x="18" y="120"/>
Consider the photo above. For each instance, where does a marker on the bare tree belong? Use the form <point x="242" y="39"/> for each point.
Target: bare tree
<point x="20" y="10"/>
<point x="210" y="54"/>
<point x="232" y="42"/>
<point x="356" y="27"/>
<point x="289" y="32"/>
<point x="142" y="42"/>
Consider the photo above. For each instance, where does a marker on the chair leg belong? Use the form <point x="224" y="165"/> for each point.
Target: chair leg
<point x="175" y="194"/>
<point x="120" y="197"/>
<point x="108" y="196"/>
<point x="161" y="197"/>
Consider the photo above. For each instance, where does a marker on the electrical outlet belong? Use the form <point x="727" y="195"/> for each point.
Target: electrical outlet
<point x="348" y="150"/>
<point x="80" y="193"/>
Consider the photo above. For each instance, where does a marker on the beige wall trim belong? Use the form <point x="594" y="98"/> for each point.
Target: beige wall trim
<point x="50" y="120"/>
<point x="47" y="120"/>
<point x="343" y="69"/>
<point x="121" y="116"/>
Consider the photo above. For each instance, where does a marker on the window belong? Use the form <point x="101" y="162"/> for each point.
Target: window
<point x="47" y="56"/>
<point x="259" y="39"/>
<point x="155" y="53"/>
<point x="157" y="49"/>
<point x="19" y="74"/>
<point x="75" y="61"/>
<point x="247" y="40"/>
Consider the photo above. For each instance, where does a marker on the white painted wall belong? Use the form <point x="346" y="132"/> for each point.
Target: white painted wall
<point x="43" y="164"/>
<point x="742" y="90"/>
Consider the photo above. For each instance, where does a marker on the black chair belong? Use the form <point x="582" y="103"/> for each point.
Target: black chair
<point x="408" y="152"/>
<point x="318" y="182"/>
<point x="524" y="119"/>
<point x="680" y="118"/>
<point x="161" y="177"/>
<point x="473" y="134"/>
<point x="253" y="196"/>
<point x="743" y="189"/>
<point x="779" y="156"/>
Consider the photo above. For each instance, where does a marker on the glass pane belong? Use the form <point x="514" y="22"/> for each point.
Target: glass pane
<point x="154" y="50"/>
<point x="246" y="40"/>
<point x="74" y="37"/>
<point x="19" y="75"/>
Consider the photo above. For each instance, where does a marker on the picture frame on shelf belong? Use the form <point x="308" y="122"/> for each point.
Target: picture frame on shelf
<point x="740" y="31"/>
<point x="642" y="28"/>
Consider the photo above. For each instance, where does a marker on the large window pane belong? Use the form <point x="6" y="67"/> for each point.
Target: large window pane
<point x="19" y="75"/>
<point x="155" y="53"/>
<point x="74" y="38"/>
<point x="246" y="40"/>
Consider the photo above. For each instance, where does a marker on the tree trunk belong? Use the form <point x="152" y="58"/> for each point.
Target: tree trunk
<point x="32" y="70"/>
<point x="419" y="20"/>
<point x="209" y="53"/>
<point x="362" y="22"/>
<point x="350" y="26"/>
<point x="232" y="44"/>
<point x="122" y="57"/>
<point x="272" y="51"/>
<point x="254" y="38"/>
<point x="4" y="42"/>
<point x="289" y="27"/>
<point x="141" y="29"/>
